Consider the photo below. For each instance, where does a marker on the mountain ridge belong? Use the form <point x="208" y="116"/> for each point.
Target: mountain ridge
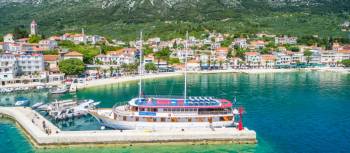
<point x="71" y="15"/>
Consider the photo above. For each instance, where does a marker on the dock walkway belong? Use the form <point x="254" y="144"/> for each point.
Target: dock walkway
<point x="49" y="135"/>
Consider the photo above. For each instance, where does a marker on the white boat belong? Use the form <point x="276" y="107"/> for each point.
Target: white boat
<point x="61" y="90"/>
<point x="22" y="102"/>
<point x="37" y="105"/>
<point x="154" y="112"/>
<point x="61" y="110"/>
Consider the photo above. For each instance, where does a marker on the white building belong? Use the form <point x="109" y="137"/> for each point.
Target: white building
<point x="286" y="40"/>
<point x="31" y="64"/>
<point x="8" y="38"/>
<point x="283" y="59"/>
<point x="118" y="58"/>
<point x="181" y="54"/>
<point x="298" y="58"/>
<point x="333" y="58"/>
<point x="33" y="28"/>
<point x="253" y="59"/>
<point x="48" y="44"/>
<point x="241" y="42"/>
<point x="8" y="67"/>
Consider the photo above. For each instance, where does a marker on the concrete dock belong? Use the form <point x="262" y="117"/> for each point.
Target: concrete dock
<point x="42" y="133"/>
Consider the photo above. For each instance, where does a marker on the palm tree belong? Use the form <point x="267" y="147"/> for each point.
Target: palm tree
<point x="98" y="69"/>
<point x="220" y="64"/>
<point x="111" y="70"/>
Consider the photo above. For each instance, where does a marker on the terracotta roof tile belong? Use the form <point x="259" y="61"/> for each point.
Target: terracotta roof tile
<point x="50" y="57"/>
<point x="73" y="53"/>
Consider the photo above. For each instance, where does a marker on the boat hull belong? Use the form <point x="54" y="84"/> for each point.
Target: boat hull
<point x="133" y="125"/>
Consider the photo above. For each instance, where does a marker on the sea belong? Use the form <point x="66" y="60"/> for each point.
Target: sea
<point x="298" y="112"/>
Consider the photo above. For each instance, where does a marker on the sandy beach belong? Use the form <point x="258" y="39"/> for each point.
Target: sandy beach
<point x="106" y="81"/>
<point x="101" y="82"/>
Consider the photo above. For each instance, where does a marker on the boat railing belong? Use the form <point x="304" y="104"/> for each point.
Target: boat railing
<point x="164" y="96"/>
<point x="214" y="112"/>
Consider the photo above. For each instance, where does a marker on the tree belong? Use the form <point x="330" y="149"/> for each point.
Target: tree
<point x="308" y="55"/>
<point x="346" y="62"/>
<point x="164" y="54"/>
<point x="72" y="66"/>
<point x="20" y="32"/>
<point x="294" y="48"/>
<point x="173" y="61"/>
<point x="34" y="39"/>
<point x="1" y="38"/>
<point x="51" y="52"/>
<point x="229" y="54"/>
<point x="150" y="67"/>
<point x="111" y="70"/>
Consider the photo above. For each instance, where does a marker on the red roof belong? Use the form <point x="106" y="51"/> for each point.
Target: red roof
<point x="73" y="53"/>
<point x="268" y="57"/>
<point x="222" y="49"/>
<point x="251" y="53"/>
<point x="50" y="57"/>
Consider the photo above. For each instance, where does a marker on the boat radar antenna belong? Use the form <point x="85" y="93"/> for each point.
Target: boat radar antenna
<point x="186" y="54"/>
<point x="140" y="67"/>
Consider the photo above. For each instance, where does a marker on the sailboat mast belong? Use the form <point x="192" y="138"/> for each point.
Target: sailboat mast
<point x="140" y="67"/>
<point x="186" y="48"/>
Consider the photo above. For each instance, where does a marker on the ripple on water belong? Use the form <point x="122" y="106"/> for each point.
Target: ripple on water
<point x="291" y="112"/>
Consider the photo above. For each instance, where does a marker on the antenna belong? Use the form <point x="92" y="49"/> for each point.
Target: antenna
<point x="186" y="48"/>
<point x="140" y="69"/>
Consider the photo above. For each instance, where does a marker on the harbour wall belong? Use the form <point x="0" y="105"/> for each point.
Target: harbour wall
<point x="31" y="123"/>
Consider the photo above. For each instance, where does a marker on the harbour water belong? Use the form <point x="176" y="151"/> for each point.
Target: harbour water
<point x="291" y="112"/>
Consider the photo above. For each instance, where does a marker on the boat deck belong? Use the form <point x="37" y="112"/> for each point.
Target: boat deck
<point x="191" y="102"/>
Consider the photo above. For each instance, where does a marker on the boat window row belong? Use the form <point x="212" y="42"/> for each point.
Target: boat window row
<point x="173" y="119"/>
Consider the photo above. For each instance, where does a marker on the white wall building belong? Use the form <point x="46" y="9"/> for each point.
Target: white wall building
<point x="31" y="64"/>
<point x="8" y="67"/>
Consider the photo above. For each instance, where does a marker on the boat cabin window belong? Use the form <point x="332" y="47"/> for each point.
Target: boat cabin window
<point x="162" y="119"/>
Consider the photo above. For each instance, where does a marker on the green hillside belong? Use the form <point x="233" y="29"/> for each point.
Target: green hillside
<point x="169" y="18"/>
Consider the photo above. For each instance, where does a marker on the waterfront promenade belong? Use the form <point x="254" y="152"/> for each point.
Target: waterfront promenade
<point x="51" y="136"/>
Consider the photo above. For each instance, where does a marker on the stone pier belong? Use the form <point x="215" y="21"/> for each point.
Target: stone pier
<point x="42" y="133"/>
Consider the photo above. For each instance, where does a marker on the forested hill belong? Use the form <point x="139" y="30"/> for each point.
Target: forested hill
<point x="121" y="18"/>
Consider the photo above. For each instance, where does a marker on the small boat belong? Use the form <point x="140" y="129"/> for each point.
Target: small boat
<point x="59" y="90"/>
<point x="69" y="110"/>
<point x="40" y="87"/>
<point x="37" y="105"/>
<point x="22" y="102"/>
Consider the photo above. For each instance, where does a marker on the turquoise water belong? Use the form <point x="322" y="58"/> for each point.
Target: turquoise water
<point x="291" y="112"/>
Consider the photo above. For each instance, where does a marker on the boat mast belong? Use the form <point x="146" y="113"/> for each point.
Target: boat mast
<point x="140" y="68"/>
<point x="186" y="48"/>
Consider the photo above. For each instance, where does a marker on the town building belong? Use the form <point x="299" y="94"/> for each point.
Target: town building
<point x="48" y="44"/>
<point x="240" y="42"/>
<point x="286" y="40"/>
<point x="30" y="64"/>
<point x="51" y="63"/>
<point x="73" y="55"/>
<point x="282" y="60"/>
<point x="268" y="61"/>
<point x="8" y="38"/>
<point x="253" y="59"/>
<point x="8" y="67"/>
<point x="118" y="58"/>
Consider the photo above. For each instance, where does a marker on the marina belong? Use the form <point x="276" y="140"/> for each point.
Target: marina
<point x="268" y="112"/>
